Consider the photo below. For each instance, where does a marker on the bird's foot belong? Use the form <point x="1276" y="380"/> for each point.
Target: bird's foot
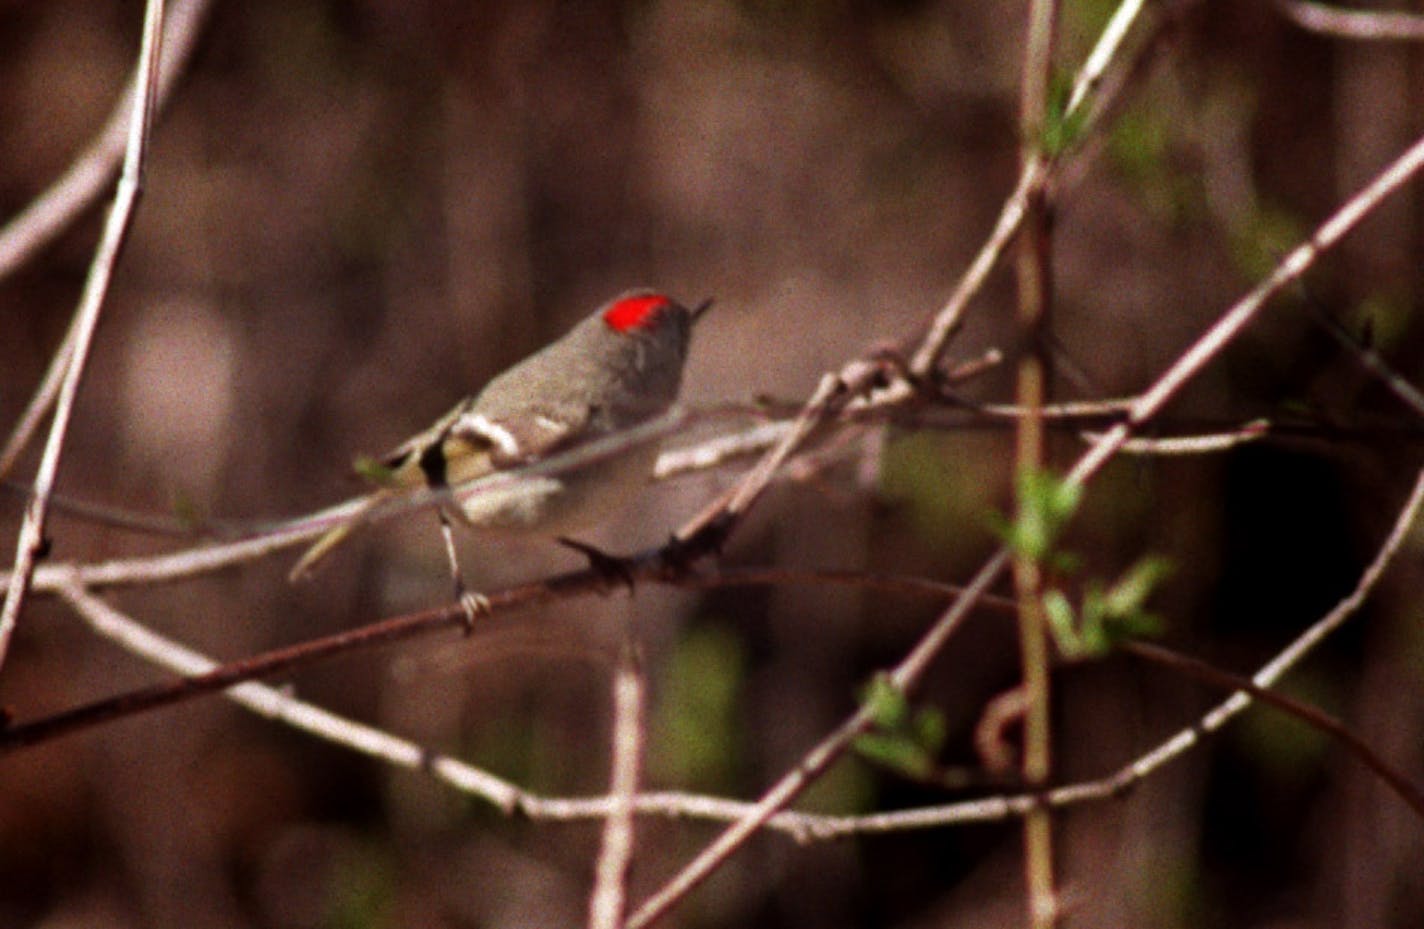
<point x="474" y="605"/>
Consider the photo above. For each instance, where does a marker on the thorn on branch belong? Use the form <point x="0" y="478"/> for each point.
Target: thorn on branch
<point x="613" y="570"/>
<point x="893" y="367"/>
<point x="968" y="370"/>
<point x="677" y="558"/>
<point x="517" y="807"/>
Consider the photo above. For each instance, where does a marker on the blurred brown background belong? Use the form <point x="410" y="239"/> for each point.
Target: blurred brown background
<point x="357" y="212"/>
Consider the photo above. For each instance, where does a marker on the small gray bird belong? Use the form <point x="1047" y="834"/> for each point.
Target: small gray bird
<point x="617" y="369"/>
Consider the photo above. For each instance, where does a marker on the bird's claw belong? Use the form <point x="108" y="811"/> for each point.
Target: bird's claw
<point x="474" y="606"/>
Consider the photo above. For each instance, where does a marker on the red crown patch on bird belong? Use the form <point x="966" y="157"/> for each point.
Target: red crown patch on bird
<point x="634" y="312"/>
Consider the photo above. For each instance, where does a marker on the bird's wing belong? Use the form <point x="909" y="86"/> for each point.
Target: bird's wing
<point x="469" y="442"/>
<point x="539" y="431"/>
<point x="425" y="457"/>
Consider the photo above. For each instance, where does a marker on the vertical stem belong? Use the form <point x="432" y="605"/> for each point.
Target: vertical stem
<point x="1035" y="298"/>
<point x="608" y="903"/>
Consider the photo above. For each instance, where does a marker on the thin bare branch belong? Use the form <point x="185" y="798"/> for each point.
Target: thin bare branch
<point x="1032" y="175"/>
<point x="1371" y="361"/>
<point x="648" y="567"/>
<point x="1191" y="444"/>
<point x="1104" y="53"/>
<point x="609" y="901"/>
<point x="1005" y="807"/>
<point x="1370" y="25"/>
<point x="1229" y="326"/>
<point x="279" y="704"/>
<point x="89" y="176"/>
<point x="715" y="451"/>
<point x="949" y="319"/>
<point x="79" y="188"/>
<point x="836" y="390"/>
<point x="40" y="403"/>
<point x="1071" y="409"/>
<point x="31" y="537"/>
<point x="1189" y="665"/>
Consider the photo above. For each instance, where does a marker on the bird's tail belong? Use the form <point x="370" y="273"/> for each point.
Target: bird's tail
<point x="306" y="565"/>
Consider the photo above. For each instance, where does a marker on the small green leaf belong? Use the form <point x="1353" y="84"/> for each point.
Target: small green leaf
<point x="886" y="702"/>
<point x="1106" y="616"/>
<point x="895" y="751"/>
<point x="1131" y="591"/>
<point x="1062" y="623"/>
<point x="930" y="730"/>
<point x="1092" y="639"/>
<point x="902" y="740"/>
<point x="1045" y="503"/>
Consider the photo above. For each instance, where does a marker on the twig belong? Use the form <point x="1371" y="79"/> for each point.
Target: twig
<point x="719" y="449"/>
<point x="222" y="677"/>
<point x="948" y="320"/>
<point x="1090" y="76"/>
<point x="863" y="580"/>
<point x="1245" y="310"/>
<point x="1034" y="272"/>
<point x="279" y="704"/>
<point x="1403" y="787"/>
<point x="1072" y="409"/>
<point x="1371" y="361"/>
<point x="609" y="900"/>
<point x="834" y="390"/>
<point x="89" y="176"/>
<point x="1353" y="24"/>
<point x="31" y="538"/>
<point x="1031" y="177"/>
<point x="707" y="454"/>
<point x="80" y="186"/>
<point x="1191" y="444"/>
<point x="145" y="522"/>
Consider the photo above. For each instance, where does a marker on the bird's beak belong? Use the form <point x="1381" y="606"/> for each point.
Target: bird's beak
<point x="701" y="308"/>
